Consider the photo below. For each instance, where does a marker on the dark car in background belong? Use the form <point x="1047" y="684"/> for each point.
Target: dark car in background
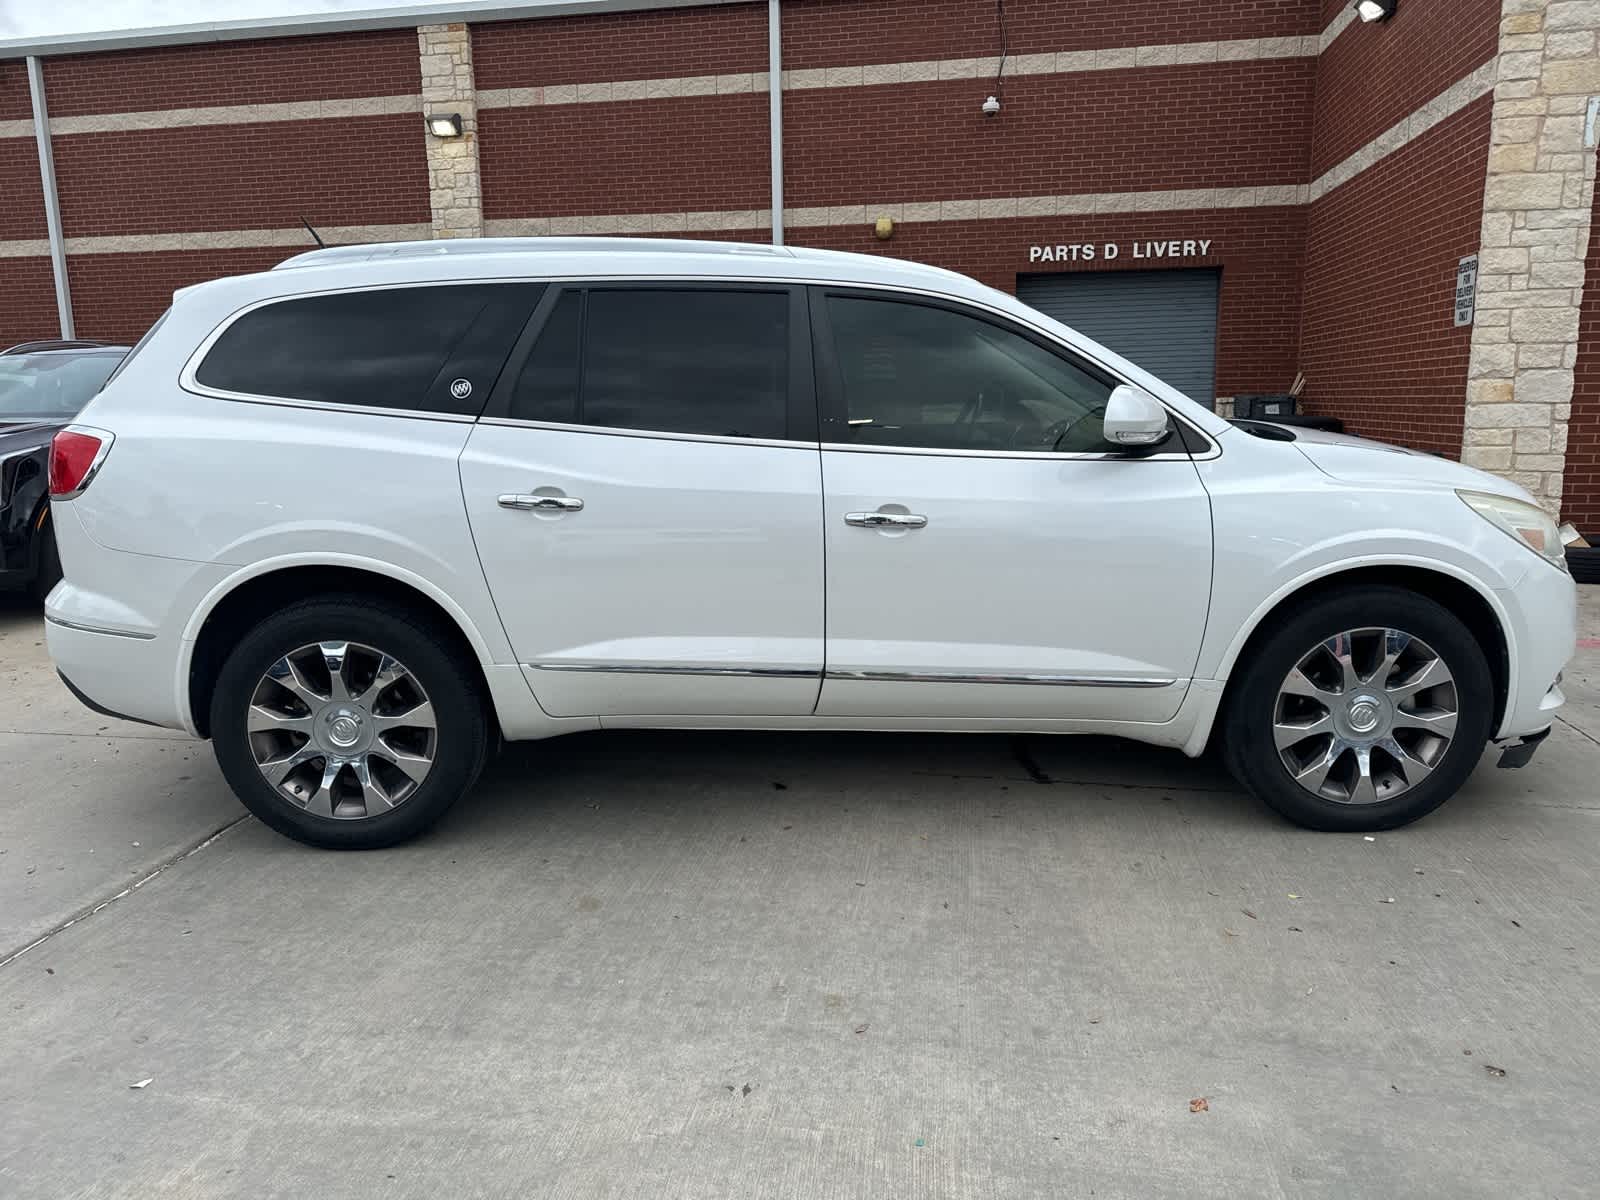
<point x="42" y="387"/>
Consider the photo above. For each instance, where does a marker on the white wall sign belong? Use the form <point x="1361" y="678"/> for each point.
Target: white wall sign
<point x="1082" y="252"/>
<point x="1466" y="290"/>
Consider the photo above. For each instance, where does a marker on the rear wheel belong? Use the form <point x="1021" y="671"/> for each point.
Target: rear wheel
<point x="346" y="724"/>
<point x="1365" y="711"/>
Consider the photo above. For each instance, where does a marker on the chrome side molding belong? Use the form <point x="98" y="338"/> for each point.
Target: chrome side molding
<point x="676" y="669"/>
<point x="1030" y="680"/>
<point x="1041" y="680"/>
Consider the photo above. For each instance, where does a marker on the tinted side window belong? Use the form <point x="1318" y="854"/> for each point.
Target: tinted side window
<point x="384" y="348"/>
<point x="547" y="387"/>
<point x="916" y="375"/>
<point x="665" y="360"/>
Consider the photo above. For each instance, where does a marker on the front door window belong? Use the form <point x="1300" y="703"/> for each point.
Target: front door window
<point x="925" y="376"/>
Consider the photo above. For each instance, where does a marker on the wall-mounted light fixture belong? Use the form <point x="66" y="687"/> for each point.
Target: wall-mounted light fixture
<point x="444" y="125"/>
<point x="883" y="228"/>
<point x="1376" y="10"/>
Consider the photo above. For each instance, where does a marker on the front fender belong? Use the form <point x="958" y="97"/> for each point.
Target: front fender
<point x="1234" y="645"/>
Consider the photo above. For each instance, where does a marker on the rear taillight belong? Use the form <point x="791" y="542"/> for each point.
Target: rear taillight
<point x="75" y="456"/>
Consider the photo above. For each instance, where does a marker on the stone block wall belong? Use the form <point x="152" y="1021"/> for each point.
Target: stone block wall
<point x="448" y="86"/>
<point x="1538" y="206"/>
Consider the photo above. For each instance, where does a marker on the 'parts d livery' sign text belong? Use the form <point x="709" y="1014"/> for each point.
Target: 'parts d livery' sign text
<point x="1083" y="252"/>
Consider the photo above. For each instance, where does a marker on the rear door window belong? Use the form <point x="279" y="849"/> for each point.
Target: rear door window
<point x="694" y="360"/>
<point x="428" y="349"/>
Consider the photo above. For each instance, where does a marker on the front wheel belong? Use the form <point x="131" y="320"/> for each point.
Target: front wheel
<point x="347" y="724"/>
<point x="1365" y="711"/>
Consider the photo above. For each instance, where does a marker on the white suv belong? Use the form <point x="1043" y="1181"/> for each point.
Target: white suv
<point x="358" y="517"/>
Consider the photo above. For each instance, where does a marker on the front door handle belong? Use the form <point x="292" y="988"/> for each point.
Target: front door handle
<point x="530" y="503"/>
<point x="884" y="520"/>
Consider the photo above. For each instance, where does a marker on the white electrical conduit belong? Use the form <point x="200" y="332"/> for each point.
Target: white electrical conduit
<point x="775" y="103"/>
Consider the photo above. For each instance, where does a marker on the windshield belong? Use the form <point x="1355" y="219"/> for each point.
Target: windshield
<point x="51" y="386"/>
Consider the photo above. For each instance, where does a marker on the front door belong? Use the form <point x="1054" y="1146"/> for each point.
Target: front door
<point x="645" y="496"/>
<point x="989" y="554"/>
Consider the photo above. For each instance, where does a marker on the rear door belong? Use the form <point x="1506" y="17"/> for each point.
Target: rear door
<point x="645" y="495"/>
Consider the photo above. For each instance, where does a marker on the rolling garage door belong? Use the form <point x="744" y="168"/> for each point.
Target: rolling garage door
<point x="1165" y="321"/>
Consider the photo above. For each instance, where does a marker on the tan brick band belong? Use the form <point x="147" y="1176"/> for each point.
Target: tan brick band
<point x="226" y="114"/>
<point x="990" y="208"/>
<point x="219" y="239"/>
<point x="920" y="71"/>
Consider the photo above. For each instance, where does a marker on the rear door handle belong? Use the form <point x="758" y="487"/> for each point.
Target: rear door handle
<point x="525" y="502"/>
<point x="883" y="520"/>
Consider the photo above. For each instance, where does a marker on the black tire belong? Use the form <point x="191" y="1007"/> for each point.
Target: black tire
<point x="47" y="571"/>
<point x="1247" y="739"/>
<point x="449" y="680"/>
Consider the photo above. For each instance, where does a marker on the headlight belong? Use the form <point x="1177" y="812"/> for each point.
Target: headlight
<point x="1528" y="523"/>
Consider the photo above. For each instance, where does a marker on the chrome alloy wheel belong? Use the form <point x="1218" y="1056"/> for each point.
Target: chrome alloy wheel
<point x="342" y="730"/>
<point x="1366" y="715"/>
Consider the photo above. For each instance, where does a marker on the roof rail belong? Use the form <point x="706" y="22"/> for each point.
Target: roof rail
<point x="528" y="245"/>
<point x="53" y="344"/>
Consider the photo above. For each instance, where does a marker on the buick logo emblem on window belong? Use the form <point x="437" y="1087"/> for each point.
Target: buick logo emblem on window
<point x="461" y="388"/>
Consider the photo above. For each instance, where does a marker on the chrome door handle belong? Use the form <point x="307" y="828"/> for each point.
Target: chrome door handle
<point x="883" y="520"/>
<point x="529" y="503"/>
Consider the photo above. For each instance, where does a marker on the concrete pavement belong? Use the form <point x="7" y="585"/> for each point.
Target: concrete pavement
<point x="758" y="965"/>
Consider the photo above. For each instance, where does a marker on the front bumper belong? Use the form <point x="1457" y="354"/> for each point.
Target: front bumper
<point x="1542" y="635"/>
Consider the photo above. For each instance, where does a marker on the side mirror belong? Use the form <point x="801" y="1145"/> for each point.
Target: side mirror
<point x="1135" y="418"/>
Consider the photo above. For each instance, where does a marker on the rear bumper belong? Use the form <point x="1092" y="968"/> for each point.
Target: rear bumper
<point x="93" y="705"/>
<point x="116" y="673"/>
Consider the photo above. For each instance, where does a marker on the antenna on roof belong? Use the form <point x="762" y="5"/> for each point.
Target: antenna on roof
<point x="315" y="237"/>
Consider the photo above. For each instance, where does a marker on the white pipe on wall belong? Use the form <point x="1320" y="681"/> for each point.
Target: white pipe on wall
<point x="775" y="103"/>
<point x="52" y="207"/>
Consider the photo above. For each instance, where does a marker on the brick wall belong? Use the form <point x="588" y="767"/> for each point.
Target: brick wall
<point x="351" y="171"/>
<point x="1581" y="492"/>
<point x="15" y="102"/>
<point x="832" y="33"/>
<point x="1259" y="251"/>
<point x="358" y="170"/>
<point x="1374" y="76"/>
<point x="1378" y="342"/>
<point x="713" y="40"/>
<point x="265" y="71"/>
<point x="27" y="301"/>
<point x="694" y="153"/>
<point x="116" y="297"/>
<point x="21" y="196"/>
<point x="1218" y="125"/>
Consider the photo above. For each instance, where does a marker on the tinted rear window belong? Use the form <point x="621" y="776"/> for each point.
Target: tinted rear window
<point x="436" y="349"/>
